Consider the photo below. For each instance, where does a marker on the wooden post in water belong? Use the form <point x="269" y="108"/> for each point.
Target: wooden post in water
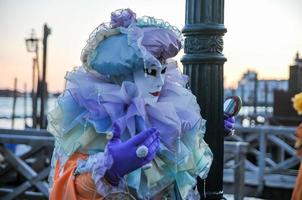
<point x="25" y="105"/>
<point x="14" y="102"/>
<point x="33" y="93"/>
<point x="44" y="93"/>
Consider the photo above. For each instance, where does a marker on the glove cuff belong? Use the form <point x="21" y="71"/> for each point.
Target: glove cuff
<point x="99" y="166"/>
<point x="112" y="178"/>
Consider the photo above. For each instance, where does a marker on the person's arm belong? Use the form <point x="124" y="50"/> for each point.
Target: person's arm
<point x="101" y="174"/>
<point x="68" y="186"/>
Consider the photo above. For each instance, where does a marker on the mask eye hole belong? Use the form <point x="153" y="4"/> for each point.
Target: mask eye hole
<point x="163" y="70"/>
<point x="162" y="60"/>
<point x="151" y="72"/>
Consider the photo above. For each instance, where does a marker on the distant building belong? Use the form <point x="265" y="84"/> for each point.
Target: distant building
<point x="254" y="92"/>
<point x="283" y="110"/>
<point x="295" y="76"/>
<point x="9" y="93"/>
<point x="272" y="93"/>
<point x="266" y="88"/>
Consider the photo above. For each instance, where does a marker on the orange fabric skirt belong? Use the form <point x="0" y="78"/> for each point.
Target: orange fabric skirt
<point x="70" y="187"/>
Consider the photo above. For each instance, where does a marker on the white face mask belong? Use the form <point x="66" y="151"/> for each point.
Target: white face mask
<point x="150" y="85"/>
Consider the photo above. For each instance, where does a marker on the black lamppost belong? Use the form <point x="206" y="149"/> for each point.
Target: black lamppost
<point x="32" y="46"/>
<point x="203" y="62"/>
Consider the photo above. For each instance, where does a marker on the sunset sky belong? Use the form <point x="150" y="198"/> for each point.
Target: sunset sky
<point x="263" y="35"/>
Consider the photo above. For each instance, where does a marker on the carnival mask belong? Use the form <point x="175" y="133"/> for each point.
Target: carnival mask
<point x="149" y="82"/>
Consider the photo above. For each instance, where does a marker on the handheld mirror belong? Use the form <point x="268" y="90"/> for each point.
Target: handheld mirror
<point x="232" y="106"/>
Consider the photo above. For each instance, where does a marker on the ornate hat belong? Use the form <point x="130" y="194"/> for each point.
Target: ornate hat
<point x="128" y="44"/>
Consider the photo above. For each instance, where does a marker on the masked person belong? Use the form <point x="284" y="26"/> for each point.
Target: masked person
<point x="126" y="126"/>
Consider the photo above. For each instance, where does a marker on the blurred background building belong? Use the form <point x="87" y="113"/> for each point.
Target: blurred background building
<point x="271" y="96"/>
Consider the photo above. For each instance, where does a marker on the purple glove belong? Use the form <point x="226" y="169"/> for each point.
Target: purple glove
<point x="124" y="154"/>
<point x="229" y="123"/>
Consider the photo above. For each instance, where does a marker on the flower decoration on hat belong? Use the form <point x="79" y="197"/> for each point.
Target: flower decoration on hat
<point x="122" y="18"/>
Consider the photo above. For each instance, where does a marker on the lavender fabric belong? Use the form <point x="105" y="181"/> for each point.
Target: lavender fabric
<point x="125" y="152"/>
<point x="104" y="103"/>
<point x="161" y="43"/>
<point x="122" y="18"/>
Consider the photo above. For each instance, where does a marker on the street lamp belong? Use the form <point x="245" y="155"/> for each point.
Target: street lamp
<point x="32" y="42"/>
<point x="32" y="45"/>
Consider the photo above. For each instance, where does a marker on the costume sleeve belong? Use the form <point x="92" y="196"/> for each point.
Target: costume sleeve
<point x="82" y="178"/>
<point x="65" y="123"/>
<point x="97" y="165"/>
<point x="68" y="186"/>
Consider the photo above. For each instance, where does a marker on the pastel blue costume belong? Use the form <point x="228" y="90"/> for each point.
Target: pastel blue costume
<point x="101" y="93"/>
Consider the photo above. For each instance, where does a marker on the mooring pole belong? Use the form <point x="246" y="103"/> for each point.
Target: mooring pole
<point x="25" y="104"/>
<point x="44" y="93"/>
<point x="34" y="93"/>
<point x="203" y="62"/>
<point x="14" y="103"/>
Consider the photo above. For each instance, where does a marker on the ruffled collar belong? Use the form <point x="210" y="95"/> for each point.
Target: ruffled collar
<point x="175" y="113"/>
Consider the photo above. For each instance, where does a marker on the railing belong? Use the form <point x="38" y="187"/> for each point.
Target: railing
<point x="271" y="157"/>
<point x="237" y="151"/>
<point x="25" y="176"/>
